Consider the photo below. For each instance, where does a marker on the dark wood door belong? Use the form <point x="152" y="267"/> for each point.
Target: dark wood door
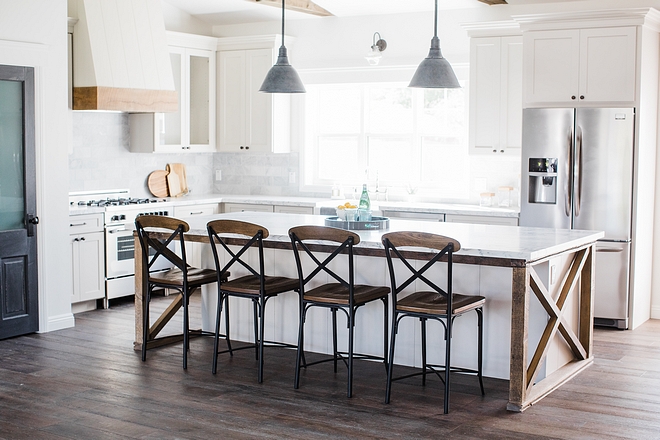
<point x="18" y="238"/>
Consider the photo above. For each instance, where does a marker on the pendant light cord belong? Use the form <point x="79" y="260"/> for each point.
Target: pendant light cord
<point x="435" y="28"/>
<point x="436" y="4"/>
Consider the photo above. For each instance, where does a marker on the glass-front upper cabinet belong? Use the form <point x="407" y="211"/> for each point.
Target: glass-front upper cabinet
<point x="192" y="127"/>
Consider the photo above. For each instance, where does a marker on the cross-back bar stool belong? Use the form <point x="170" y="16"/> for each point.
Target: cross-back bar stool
<point x="430" y="302"/>
<point x="342" y="294"/>
<point x="256" y="286"/>
<point x="183" y="278"/>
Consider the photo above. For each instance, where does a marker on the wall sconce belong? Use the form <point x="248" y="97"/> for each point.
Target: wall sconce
<point x="375" y="54"/>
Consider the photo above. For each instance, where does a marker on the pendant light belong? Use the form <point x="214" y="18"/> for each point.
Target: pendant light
<point x="435" y="71"/>
<point x="282" y="77"/>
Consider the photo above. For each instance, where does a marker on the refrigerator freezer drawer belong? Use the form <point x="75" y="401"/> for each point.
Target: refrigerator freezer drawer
<point x="612" y="281"/>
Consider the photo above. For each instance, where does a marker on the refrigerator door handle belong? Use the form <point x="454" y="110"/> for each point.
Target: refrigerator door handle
<point x="578" y="170"/>
<point x="609" y="250"/>
<point x="568" y="174"/>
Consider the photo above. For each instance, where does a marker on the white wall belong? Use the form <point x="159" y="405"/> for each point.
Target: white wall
<point x="179" y="21"/>
<point x="33" y="33"/>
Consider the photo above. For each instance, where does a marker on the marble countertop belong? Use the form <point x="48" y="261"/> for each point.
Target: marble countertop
<point x="442" y="208"/>
<point x="317" y="203"/>
<point x="491" y="241"/>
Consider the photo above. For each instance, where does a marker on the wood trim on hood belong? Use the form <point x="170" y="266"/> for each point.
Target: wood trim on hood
<point x="126" y="100"/>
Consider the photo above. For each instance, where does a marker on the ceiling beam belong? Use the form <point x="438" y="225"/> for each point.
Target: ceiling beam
<point x="494" y="2"/>
<point x="306" y="6"/>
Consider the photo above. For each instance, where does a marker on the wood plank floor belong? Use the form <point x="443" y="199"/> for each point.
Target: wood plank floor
<point x="88" y="383"/>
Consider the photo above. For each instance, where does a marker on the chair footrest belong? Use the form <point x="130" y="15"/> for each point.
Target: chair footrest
<point x="343" y="356"/>
<point x="435" y="369"/>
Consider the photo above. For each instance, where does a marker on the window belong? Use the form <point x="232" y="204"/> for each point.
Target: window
<point x="404" y="137"/>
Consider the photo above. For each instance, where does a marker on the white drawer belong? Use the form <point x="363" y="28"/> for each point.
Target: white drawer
<point x="79" y="224"/>
<point x="195" y="210"/>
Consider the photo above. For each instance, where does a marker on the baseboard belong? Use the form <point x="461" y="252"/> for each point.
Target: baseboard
<point x="59" y="322"/>
<point x="655" y="312"/>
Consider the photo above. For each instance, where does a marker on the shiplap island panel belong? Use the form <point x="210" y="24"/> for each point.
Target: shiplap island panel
<point x="536" y="344"/>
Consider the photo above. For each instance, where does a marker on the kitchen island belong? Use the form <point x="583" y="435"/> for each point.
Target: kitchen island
<point x="536" y="345"/>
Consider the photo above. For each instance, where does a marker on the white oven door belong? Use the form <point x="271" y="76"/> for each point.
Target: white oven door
<point x="120" y="251"/>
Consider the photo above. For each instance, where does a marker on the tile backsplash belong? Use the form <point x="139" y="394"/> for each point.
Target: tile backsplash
<point x="101" y="160"/>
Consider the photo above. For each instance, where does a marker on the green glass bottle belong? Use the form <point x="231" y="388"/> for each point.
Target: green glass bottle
<point x="364" y="199"/>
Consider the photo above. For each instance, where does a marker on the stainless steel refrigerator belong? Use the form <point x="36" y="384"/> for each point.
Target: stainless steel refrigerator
<point x="577" y="172"/>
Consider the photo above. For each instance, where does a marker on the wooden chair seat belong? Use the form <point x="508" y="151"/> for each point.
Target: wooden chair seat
<point x="250" y="285"/>
<point x="174" y="277"/>
<point x="435" y="304"/>
<point x="335" y="293"/>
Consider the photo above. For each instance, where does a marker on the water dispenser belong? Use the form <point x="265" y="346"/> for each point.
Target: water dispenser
<point x="543" y="180"/>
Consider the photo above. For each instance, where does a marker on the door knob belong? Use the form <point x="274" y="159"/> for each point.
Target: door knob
<point x="31" y="221"/>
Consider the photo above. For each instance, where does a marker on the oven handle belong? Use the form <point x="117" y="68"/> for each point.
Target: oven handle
<point x="116" y="229"/>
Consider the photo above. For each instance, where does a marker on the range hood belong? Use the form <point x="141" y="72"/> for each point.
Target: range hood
<point x="120" y="57"/>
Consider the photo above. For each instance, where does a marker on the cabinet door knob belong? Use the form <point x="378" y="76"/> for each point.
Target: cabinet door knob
<point x="573" y="97"/>
<point x="581" y="96"/>
<point x="494" y="151"/>
<point x="247" y="148"/>
<point x="82" y="238"/>
<point x="242" y="147"/>
<point x="501" y="151"/>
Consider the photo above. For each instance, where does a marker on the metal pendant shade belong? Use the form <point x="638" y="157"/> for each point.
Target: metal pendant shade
<point x="435" y="72"/>
<point x="282" y="77"/>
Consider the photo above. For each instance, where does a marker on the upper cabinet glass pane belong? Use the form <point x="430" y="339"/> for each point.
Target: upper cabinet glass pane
<point x="12" y="192"/>
<point x="170" y="132"/>
<point x="199" y="100"/>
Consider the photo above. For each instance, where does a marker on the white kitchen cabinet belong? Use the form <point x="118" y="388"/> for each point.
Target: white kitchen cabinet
<point x="88" y="257"/>
<point x="496" y="95"/>
<point x="188" y="211"/>
<point x="481" y="219"/>
<point x="293" y="209"/>
<point x="241" y="207"/>
<point x="249" y="120"/>
<point x="585" y="67"/>
<point x="412" y="215"/>
<point x="191" y="129"/>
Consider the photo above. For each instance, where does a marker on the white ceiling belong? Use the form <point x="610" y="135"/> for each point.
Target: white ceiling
<point x="221" y="12"/>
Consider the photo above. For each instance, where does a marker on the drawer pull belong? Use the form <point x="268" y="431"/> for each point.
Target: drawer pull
<point x="78" y="224"/>
<point x="197" y="213"/>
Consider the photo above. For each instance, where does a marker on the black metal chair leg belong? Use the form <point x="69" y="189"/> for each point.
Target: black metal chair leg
<point x="217" y="334"/>
<point x="256" y="329"/>
<point x="334" y="337"/>
<point x="231" y="352"/>
<point x="351" y="333"/>
<point x="299" y="354"/>
<point x="423" y="324"/>
<point x="385" y="323"/>
<point x="262" y="321"/>
<point x="390" y="362"/>
<point x="185" y="328"/>
<point x="450" y="324"/>
<point x="480" y="317"/>
<point x="145" y="324"/>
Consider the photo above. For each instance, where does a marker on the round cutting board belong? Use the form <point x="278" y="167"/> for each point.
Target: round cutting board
<point x="157" y="183"/>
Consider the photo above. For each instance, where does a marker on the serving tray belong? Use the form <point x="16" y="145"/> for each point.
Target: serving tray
<point x="375" y="223"/>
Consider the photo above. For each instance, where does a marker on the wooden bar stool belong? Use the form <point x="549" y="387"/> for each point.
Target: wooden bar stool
<point x="433" y="302"/>
<point x="257" y="286"/>
<point x="341" y="295"/>
<point x="183" y="278"/>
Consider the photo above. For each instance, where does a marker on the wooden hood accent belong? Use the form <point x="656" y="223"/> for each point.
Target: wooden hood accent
<point x="120" y="57"/>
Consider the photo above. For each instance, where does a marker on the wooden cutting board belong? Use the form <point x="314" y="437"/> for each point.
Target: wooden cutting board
<point x="176" y="179"/>
<point x="157" y="183"/>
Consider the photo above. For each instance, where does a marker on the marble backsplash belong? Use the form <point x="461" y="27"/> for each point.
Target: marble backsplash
<point x="101" y="160"/>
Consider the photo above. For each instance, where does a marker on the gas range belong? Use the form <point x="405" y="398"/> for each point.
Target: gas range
<point x="118" y="206"/>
